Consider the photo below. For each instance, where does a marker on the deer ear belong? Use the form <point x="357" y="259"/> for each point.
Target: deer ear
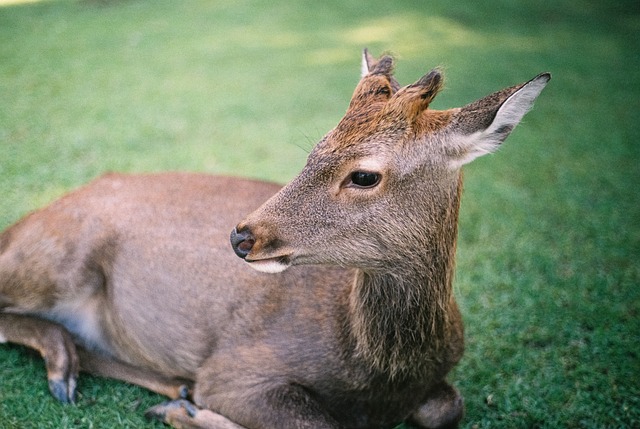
<point x="367" y="63"/>
<point x="482" y="126"/>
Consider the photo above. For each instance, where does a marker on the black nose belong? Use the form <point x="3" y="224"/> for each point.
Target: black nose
<point x="242" y="242"/>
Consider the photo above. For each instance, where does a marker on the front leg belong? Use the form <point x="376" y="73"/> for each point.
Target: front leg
<point x="181" y="413"/>
<point x="288" y="406"/>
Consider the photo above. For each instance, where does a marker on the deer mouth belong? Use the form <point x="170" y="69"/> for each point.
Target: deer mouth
<point x="270" y="265"/>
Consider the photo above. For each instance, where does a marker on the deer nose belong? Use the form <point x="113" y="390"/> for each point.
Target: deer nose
<point x="242" y="242"/>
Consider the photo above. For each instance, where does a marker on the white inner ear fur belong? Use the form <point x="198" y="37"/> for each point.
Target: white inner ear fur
<point x="364" y="68"/>
<point x="508" y="116"/>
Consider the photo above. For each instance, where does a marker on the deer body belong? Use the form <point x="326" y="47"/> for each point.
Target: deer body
<point x="354" y="325"/>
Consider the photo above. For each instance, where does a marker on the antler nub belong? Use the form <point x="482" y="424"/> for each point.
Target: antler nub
<point x="413" y="99"/>
<point x="429" y="85"/>
<point x="384" y="66"/>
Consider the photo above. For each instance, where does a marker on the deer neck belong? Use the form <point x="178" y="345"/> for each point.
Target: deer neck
<point x="400" y="316"/>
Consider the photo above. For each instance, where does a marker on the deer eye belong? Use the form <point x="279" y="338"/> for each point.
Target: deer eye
<point x="364" y="179"/>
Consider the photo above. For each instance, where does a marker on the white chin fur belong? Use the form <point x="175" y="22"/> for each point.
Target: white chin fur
<point x="270" y="266"/>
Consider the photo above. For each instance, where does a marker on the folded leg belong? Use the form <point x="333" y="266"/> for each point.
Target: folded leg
<point x="181" y="413"/>
<point x="55" y="345"/>
<point x="105" y="366"/>
<point x="282" y="406"/>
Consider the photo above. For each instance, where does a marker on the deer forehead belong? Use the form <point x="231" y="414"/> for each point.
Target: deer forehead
<point x="385" y="125"/>
<point x="371" y="138"/>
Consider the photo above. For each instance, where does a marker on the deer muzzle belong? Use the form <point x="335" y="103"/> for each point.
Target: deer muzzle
<point x="243" y="241"/>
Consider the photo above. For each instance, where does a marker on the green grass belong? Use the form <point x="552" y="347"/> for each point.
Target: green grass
<point x="548" y="274"/>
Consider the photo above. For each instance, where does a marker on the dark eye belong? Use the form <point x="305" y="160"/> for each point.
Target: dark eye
<point x="365" y="179"/>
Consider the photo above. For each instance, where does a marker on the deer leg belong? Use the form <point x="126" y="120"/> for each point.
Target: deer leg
<point x="105" y="366"/>
<point x="443" y="410"/>
<point x="55" y="345"/>
<point x="285" y="406"/>
<point x="181" y="413"/>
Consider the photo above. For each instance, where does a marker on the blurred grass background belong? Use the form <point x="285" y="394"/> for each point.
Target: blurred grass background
<point x="548" y="273"/>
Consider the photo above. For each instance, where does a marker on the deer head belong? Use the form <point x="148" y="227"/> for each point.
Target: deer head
<point x="382" y="188"/>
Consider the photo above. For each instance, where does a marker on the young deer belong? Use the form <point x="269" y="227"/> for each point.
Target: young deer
<point x="355" y="326"/>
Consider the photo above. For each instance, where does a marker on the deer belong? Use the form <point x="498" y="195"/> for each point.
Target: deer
<point x="332" y="308"/>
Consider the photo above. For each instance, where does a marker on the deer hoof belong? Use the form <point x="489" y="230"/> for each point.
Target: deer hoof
<point x="63" y="390"/>
<point x="183" y="392"/>
<point x="168" y="411"/>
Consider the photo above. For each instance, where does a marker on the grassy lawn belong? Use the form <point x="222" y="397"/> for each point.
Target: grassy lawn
<point x="548" y="274"/>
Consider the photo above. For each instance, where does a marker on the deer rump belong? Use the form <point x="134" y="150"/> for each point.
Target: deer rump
<point x="354" y="325"/>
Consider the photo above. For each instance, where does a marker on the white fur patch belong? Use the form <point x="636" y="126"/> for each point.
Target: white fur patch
<point x="364" y="68"/>
<point x="518" y="104"/>
<point x="3" y="339"/>
<point x="269" y="266"/>
<point x="474" y="146"/>
<point x="372" y="165"/>
<point x="507" y="117"/>
<point x="81" y="317"/>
